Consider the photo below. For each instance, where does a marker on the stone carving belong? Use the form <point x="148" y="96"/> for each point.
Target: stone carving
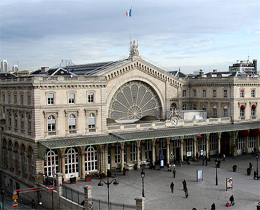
<point x="133" y="49"/>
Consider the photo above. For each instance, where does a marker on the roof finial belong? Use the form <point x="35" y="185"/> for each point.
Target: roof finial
<point x="133" y="49"/>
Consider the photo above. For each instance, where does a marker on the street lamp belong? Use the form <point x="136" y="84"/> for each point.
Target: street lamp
<point x="108" y="183"/>
<point x="2" y="195"/>
<point x="257" y="156"/>
<point x="216" y="163"/>
<point x="142" y="176"/>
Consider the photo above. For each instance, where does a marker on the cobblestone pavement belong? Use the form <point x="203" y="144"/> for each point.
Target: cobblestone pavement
<point x="202" y="194"/>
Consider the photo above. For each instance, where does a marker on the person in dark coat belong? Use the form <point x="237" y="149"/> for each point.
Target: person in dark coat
<point x="33" y="204"/>
<point x="231" y="199"/>
<point x="213" y="206"/>
<point x="186" y="192"/>
<point x="174" y="172"/>
<point x="172" y="187"/>
<point x="184" y="184"/>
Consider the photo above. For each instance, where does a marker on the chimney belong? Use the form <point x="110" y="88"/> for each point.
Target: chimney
<point x="44" y="69"/>
<point x="201" y="73"/>
<point x="215" y="70"/>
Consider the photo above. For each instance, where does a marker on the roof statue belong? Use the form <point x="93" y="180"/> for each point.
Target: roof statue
<point x="133" y="49"/>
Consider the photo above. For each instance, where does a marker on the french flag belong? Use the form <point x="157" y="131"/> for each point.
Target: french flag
<point x="129" y="13"/>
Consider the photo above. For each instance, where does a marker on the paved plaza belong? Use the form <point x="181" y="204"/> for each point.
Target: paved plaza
<point x="202" y="194"/>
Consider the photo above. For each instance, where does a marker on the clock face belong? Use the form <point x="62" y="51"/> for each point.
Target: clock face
<point x="174" y="121"/>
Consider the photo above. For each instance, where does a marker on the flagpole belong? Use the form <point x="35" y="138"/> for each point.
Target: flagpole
<point x="131" y="26"/>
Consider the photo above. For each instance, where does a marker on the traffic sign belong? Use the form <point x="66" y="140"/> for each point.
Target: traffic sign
<point x="14" y="192"/>
<point x="51" y="188"/>
<point x="15" y="204"/>
<point x="15" y="197"/>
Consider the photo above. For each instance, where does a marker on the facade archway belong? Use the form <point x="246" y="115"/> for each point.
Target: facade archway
<point x="91" y="159"/>
<point x="51" y="162"/>
<point x="71" y="162"/>
<point x="134" y="100"/>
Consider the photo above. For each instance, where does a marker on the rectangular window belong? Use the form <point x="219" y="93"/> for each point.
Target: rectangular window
<point x="225" y="112"/>
<point x="194" y="93"/>
<point x="204" y="94"/>
<point x="71" y="98"/>
<point x="225" y="93"/>
<point x="214" y="93"/>
<point x="184" y="93"/>
<point x="21" y="98"/>
<point x="253" y="93"/>
<point x="91" y="98"/>
<point x="242" y="94"/>
<point x="184" y="107"/>
<point x="15" y="98"/>
<point x="242" y="112"/>
<point x="215" y="114"/>
<point x="29" y="99"/>
<point x="9" y="97"/>
<point x="3" y="97"/>
<point x="50" y="98"/>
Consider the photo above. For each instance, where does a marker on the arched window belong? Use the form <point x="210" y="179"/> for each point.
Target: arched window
<point x="22" y="122"/>
<point x="242" y="111"/>
<point x="133" y="151"/>
<point x="51" y="162"/>
<point x="91" y="122"/>
<point x="72" y="123"/>
<point x="15" y="121"/>
<point x="253" y="110"/>
<point x="51" y="125"/>
<point x="225" y="111"/>
<point x="184" y="107"/>
<point x="215" y="112"/>
<point x="71" y="162"/>
<point x="91" y="161"/>
<point x="173" y="106"/>
<point x="194" y="107"/>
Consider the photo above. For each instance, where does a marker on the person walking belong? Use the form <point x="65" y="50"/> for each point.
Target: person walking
<point x="213" y="206"/>
<point x="33" y="204"/>
<point x="186" y="192"/>
<point x="172" y="187"/>
<point x="184" y="184"/>
<point x="174" y="172"/>
<point x="231" y="199"/>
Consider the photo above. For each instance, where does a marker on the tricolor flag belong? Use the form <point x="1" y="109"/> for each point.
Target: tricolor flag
<point x="129" y="13"/>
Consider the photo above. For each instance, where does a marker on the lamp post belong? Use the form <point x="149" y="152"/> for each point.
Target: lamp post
<point x="257" y="156"/>
<point x="216" y="163"/>
<point x="108" y="183"/>
<point x="142" y="176"/>
<point x="3" y="195"/>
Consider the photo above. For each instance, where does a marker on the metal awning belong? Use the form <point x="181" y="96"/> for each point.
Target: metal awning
<point x="141" y="135"/>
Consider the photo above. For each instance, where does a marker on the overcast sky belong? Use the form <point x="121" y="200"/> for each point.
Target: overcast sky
<point x="185" y="34"/>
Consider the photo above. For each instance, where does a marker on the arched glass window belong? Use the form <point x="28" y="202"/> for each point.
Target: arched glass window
<point x="72" y="123"/>
<point x="215" y="113"/>
<point x="51" y="125"/>
<point x="91" y="160"/>
<point x="91" y="122"/>
<point x="51" y="162"/>
<point x="133" y="151"/>
<point x="71" y="162"/>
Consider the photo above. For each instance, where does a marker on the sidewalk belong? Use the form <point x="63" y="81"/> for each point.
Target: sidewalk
<point x="202" y="194"/>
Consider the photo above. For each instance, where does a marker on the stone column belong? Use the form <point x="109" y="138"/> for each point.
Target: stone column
<point x="140" y="203"/>
<point x="138" y="143"/>
<point x="153" y="151"/>
<point x="195" y="146"/>
<point x="257" y="143"/>
<point x="207" y="145"/>
<point x="233" y="146"/>
<point x="168" y="150"/>
<point x="122" y="146"/>
<point x="181" y="141"/>
<point x="82" y="162"/>
<point x="88" y="197"/>
<point x="59" y="183"/>
<point x="62" y="161"/>
<point x="219" y="143"/>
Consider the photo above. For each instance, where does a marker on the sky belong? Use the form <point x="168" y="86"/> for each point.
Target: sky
<point x="188" y="35"/>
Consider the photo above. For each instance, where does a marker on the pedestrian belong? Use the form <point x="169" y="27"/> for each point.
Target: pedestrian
<point x="172" y="187"/>
<point x="206" y="161"/>
<point x="184" y="184"/>
<point x="224" y="157"/>
<point x="213" y="206"/>
<point x="181" y="162"/>
<point x="203" y="160"/>
<point x="186" y="192"/>
<point x="174" y="172"/>
<point x="232" y="200"/>
<point x="33" y="204"/>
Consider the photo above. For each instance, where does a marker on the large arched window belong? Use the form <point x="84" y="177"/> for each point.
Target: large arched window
<point x="91" y="161"/>
<point x="72" y="123"/>
<point x="71" y="162"/>
<point x="51" y="125"/>
<point x="91" y="122"/>
<point x="51" y="163"/>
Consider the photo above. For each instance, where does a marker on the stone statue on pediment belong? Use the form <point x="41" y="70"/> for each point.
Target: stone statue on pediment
<point x="133" y="49"/>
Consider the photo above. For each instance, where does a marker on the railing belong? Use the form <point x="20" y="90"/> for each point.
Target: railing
<point x="97" y="204"/>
